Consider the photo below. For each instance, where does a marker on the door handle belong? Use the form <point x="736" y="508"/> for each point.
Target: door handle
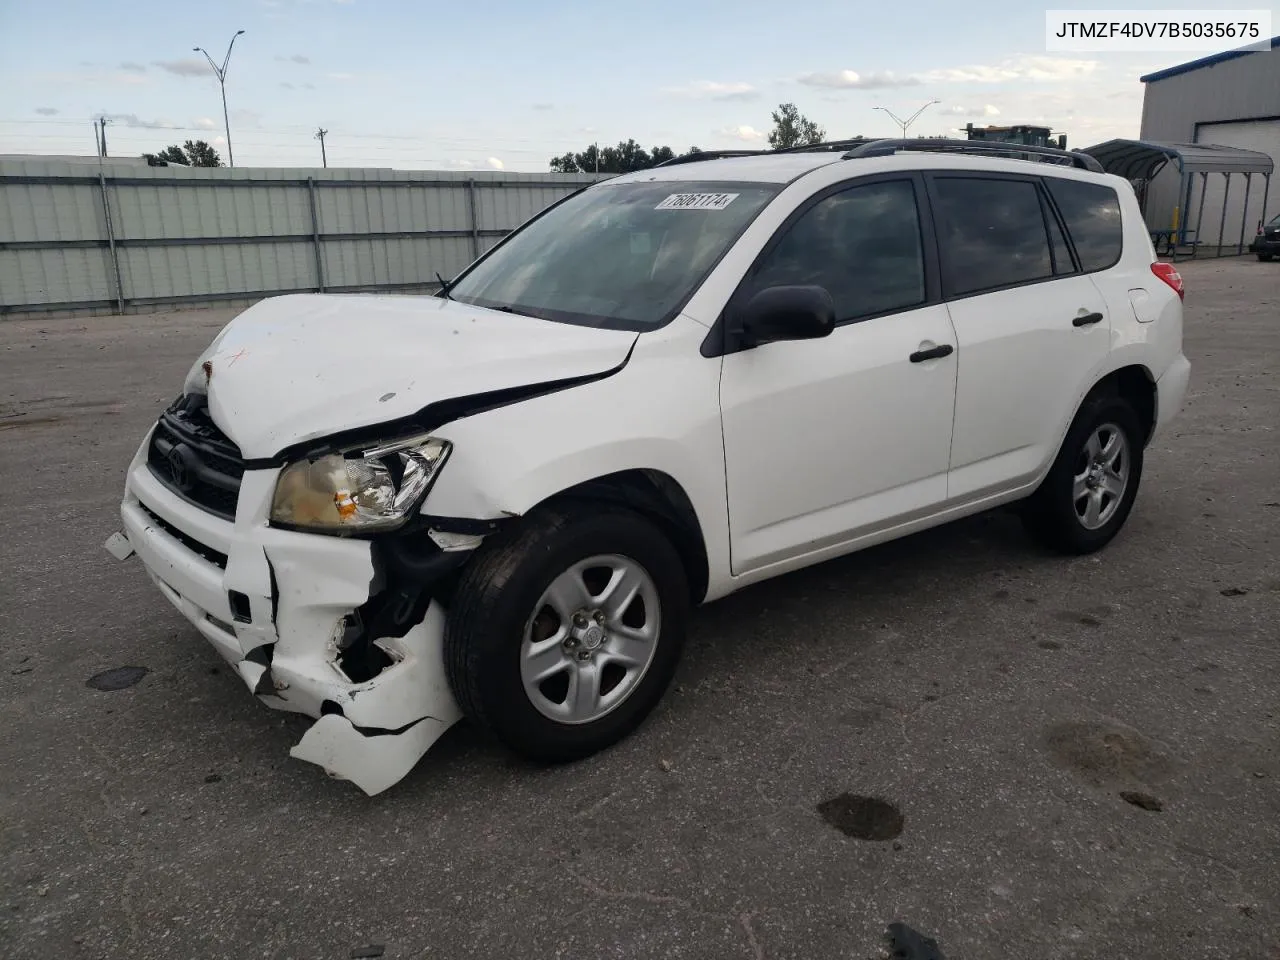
<point x="933" y="353"/>
<point x="1087" y="320"/>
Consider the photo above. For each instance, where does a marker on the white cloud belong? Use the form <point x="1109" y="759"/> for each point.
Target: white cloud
<point x="495" y="163"/>
<point x="130" y="67"/>
<point x="219" y="141"/>
<point x="1019" y="68"/>
<point x="1037" y="68"/>
<point x="133" y="120"/>
<point x="47" y="111"/>
<point x="744" y="133"/>
<point x="958" y="110"/>
<point x="185" y="67"/>
<point x="296" y="58"/>
<point x="205" y="123"/>
<point x="341" y="76"/>
<point x="715" y="90"/>
<point x="852" y="80"/>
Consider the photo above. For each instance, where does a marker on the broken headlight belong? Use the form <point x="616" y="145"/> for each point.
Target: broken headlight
<point x="356" y="491"/>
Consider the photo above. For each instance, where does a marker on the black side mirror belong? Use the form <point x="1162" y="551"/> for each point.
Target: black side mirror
<point x="786" y="313"/>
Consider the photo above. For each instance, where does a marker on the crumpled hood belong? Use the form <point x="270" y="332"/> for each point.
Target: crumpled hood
<point x="297" y="368"/>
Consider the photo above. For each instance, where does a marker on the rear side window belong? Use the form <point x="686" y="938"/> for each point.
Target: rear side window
<point x="991" y="233"/>
<point x="861" y="244"/>
<point x="1092" y="215"/>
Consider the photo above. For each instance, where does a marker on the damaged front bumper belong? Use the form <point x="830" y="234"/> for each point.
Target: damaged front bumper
<point x="317" y="625"/>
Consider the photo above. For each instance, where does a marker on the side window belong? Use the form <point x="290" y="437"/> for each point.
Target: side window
<point x="991" y="233"/>
<point x="1092" y="215"/>
<point x="862" y="244"/>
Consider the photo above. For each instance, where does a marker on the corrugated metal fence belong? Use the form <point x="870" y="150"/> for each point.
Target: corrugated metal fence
<point x="125" y="237"/>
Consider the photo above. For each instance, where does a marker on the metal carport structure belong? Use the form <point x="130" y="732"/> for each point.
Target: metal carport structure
<point x="1144" y="159"/>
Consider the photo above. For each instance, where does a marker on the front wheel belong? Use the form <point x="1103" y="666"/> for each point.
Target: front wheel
<point x="564" y="634"/>
<point x="1090" y="490"/>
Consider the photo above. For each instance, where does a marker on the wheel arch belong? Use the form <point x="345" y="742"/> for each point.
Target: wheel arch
<point x="659" y="498"/>
<point x="1135" y="384"/>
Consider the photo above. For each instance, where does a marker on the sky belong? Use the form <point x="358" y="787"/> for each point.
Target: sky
<point x="501" y="84"/>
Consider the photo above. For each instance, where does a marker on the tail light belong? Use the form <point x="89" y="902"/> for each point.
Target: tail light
<point x="1169" y="275"/>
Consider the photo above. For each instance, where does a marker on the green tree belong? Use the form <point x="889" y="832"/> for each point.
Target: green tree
<point x="792" y="129"/>
<point x="169" y="155"/>
<point x="624" y="158"/>
<point x="195" y="153"/>
<point x="200" y="154"/>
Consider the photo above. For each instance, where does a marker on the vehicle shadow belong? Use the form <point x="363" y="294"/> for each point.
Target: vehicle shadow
<point x="837" y="603"/>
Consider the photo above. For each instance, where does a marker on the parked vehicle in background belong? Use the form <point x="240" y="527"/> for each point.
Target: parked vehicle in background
<point x="502" y="502"/>
<point x="1267" y="243"/>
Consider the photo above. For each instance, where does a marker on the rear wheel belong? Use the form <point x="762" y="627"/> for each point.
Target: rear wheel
<point x="564" y="634"/>
<point x="1090" y="490"/>
<point x="1264" y="257"/>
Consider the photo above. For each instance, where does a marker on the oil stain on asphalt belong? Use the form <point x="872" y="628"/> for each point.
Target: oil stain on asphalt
<point x="118" y="678"/>
<point x="864" y="818"/>
<point x="1103" y="753"/>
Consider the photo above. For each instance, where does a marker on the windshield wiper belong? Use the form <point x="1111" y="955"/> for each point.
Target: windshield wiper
<point x="445" y="285"/>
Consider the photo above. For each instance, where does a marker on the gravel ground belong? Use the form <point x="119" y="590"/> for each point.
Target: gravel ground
<point x="1000" y="703"/>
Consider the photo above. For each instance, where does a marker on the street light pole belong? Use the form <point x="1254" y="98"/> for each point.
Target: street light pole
<point x="221" y="74"/>
<point x="904" y="124"/>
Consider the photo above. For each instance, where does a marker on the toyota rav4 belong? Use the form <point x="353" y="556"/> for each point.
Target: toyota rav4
<point x="502" y="501"/>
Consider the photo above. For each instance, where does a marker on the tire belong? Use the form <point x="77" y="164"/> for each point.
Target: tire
<point x="1264" y="257"/>
<point x="1053" y="515"/>
<point x="501" y="623"/>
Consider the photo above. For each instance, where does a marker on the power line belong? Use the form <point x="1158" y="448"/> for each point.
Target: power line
<point x="413" y="137"/>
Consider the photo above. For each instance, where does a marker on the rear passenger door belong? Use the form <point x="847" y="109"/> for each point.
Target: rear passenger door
<point x="1032" y="329"/>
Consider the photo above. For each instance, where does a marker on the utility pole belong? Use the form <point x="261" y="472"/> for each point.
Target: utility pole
<point x="102" y="136"/>
<point x="221" y="74"/>
<point x="597" y="152"/>
<point x="320" y="132"/>
<point x="904" y="124"/>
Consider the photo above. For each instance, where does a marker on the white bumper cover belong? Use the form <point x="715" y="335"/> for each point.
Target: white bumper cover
<point x="299" y="589"/>
<point x="1171" y="391"/>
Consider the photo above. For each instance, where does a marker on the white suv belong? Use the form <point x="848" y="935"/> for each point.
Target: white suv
<point x="501" y="502"/>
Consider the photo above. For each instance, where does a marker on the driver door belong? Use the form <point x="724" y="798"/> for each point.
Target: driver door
<point x="832" y="439"/>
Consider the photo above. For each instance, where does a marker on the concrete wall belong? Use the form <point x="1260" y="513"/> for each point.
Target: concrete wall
<point x="1185" y="108"/>
<point x="173" y="235"/>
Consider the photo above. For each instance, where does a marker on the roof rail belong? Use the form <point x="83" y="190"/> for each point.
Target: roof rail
<point x="710" y="155"/>
<point x="829" y="145"/>
<point x="1016" y="151"/>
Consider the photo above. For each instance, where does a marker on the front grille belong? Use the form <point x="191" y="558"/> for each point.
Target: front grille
<point x="191" y="543"/>
<point x="196" y="460"/>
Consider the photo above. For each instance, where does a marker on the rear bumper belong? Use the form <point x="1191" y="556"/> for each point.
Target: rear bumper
<point x="1171" y="391"/>
<point x="274" y="604"/>
<point x="1265" y="245"/>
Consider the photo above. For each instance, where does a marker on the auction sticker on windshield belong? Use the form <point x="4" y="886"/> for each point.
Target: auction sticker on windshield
<point x="697" y="201"/>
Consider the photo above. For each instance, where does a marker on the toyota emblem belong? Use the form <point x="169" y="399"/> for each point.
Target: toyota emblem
<point x="179" y="472"/>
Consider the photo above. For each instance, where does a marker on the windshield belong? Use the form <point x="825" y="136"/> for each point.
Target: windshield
<point x="625" y="256"/>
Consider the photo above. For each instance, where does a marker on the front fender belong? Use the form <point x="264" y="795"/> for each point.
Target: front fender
<point x="660" y="413"/>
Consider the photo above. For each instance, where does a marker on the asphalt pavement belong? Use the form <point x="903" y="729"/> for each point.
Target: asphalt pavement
<point x="1017" y="755"/>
